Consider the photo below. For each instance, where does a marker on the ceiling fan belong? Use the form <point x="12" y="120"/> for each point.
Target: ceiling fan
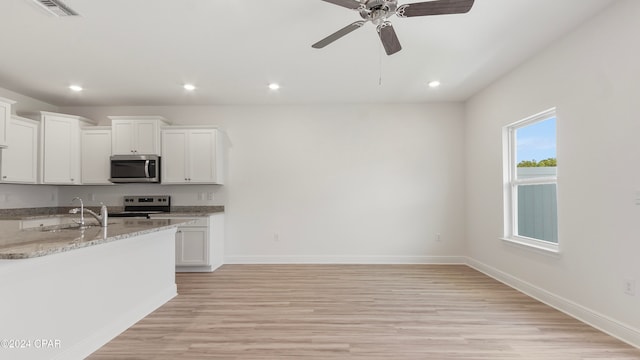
<point x="378" y="11"/>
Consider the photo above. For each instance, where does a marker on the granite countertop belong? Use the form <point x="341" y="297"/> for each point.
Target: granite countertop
<point x="48" y="240"/>
<point x="48" y="212"/>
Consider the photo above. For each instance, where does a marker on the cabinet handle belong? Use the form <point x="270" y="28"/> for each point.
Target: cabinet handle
<point x="71" y="179"/>
<point x="4" y="177"/>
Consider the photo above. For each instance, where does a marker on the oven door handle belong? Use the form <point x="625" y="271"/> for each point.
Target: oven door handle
<point x="146" y="168"/>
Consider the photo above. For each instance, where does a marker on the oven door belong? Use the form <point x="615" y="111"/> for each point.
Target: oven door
<point x="135" y="169"/>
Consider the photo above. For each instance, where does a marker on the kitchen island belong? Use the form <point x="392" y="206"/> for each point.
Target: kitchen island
<point x="67" y="292"/>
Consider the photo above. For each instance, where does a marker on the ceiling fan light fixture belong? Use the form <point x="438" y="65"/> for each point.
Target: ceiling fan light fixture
<point x="274" y="86"/>
<point x="434" y="84"/>
<point x="75" y="88"/>
<point x="189" y="87"/>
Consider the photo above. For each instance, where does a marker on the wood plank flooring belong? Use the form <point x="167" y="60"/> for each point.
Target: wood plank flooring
<point x="440" y="312"/>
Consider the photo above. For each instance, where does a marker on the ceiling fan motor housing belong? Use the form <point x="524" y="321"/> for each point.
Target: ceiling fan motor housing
<point x="378" y="10"/>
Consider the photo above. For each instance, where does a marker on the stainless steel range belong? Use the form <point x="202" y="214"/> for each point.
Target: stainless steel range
<point x="143" y="206"/>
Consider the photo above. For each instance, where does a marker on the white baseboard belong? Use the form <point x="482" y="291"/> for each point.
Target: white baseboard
<point x="601" y="322"/>
<point x="96" y="340"/>
<point x="295" y="259"/>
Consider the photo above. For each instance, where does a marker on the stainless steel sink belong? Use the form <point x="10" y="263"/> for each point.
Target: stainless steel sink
<point x="64" y="227"/>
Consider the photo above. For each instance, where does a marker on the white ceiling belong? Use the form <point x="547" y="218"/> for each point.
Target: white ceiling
<point x="141" y="52"/>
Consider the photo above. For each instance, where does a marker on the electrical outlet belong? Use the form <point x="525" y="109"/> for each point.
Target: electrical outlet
<point x="92" y="197"/>
<point x="210" y="196"/>
<point x="200" y="196"/>
<point x="438" y="237"/>
<point x="630" y="286"/>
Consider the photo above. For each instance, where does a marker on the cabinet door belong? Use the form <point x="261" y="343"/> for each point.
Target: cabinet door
<point x="146" y="137"/>
<point x="123" y="135"/>
<point x="61" y="151"/>
<point x="20" y="159"/>
<point x="174" y="158"/>
<point x="5" y="115"/>
<point x="95" y="152"/>
<point x="192" y="246"/>
<point x="202" y="158"/>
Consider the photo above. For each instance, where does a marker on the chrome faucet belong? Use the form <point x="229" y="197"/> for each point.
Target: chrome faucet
<point x="75" y="211"/>
<point x="102" y="218"/>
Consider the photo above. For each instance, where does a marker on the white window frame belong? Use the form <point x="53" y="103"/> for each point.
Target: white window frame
<point x="511" y="183"/>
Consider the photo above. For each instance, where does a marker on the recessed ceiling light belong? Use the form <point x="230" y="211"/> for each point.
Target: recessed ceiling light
<point x="189" y="87"/>
<point x="434" y="84"/>
<point x="76" y="88"/>
<point x="274" y="86"/>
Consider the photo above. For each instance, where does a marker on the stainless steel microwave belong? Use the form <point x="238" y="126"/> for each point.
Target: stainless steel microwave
<point x="135" y="169"/>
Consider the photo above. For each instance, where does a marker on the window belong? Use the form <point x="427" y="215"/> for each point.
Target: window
<point x="530" y="172"/>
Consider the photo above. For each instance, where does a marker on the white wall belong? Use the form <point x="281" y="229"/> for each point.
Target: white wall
<point x="592" y="76"/>
<point x="25" y="104"/>
<point x="26" y="196"/>
<point x="339" y="183"/>
<point x="112" y="195"/>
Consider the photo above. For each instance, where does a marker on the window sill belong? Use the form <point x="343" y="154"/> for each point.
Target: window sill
<point x="535" y="245"/>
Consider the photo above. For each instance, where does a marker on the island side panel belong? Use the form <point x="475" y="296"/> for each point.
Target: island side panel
<point x="81" y="299"/>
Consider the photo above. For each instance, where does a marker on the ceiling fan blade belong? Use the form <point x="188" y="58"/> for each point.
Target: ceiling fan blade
<point x="338" y="34"/>
<point x="438" y="7"/>
<point x="350" y="4"/>
<point x="389" y="38"/>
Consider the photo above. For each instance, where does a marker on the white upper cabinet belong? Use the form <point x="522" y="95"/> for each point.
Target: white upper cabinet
<point x="60" y="148"/>
<point x="20" y="158"/>
<point x="136" y="135"/>
<point x="192" y="155"/>
<point x="5" y="115"/>
<point x="95" y="152"/>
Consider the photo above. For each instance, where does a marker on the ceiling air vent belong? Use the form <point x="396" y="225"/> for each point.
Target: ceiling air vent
<point x="56" y="7"/>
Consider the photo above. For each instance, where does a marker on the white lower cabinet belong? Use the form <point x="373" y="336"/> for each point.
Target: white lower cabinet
<point x="192" y="246"/>
<point x="200" y="245"/>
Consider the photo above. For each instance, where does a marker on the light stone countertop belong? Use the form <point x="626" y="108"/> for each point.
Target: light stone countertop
<point x="48" y="240"/>
<point x="44" y="213"/>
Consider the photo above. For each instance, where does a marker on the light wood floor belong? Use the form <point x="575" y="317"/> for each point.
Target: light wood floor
<point x="360" y="312"/>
